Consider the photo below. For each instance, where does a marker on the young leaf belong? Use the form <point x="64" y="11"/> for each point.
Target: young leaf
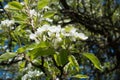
<point x="15" y="5"/>
<point x="7" y="56"/>
<point x="74" y="62"/>
<point x="57" y="59"/>
<point x="41" y="52"/>
<point x="22" y="65"/>
<point x="80" y="76"/>
<point x="42" y="3"/>
<point x="43" y="44"/>
<point x="27" y="47"/>
<point x="94" y="60"/>
<point x="61" y="58"/>
<point x="48" y="14"/>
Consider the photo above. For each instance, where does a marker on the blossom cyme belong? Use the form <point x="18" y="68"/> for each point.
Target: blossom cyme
<point x="32" y="74"/>
<point x="33" y="12"/>
<point x="56" y="34"/>
<point x="7" y="22"/>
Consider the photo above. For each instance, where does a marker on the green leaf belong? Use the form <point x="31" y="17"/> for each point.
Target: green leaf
<point x="49" y="14"/>
<point x="74" y="62"/>
<point x="7" y="56"/>
<point x="41" y="52"/>
<point x="18" y="18"/>
<point x="26" y="1"/>
<point x="42" y="3"/>
<point x="22" y="65"/>
<point x="15" y="5"/>
<point x="61" y="58"/>
<point x="94" y="60"/>
<point x="64" y="56"/>
<point x="27" y="47"/>
<point x="33" y="47"/>
<point x="80" y="76"/>
<point x="57" y="59"/>
<point x="21" y="50"/>
<point x="1" y="0"/>
<point x="43" y="44"/>
<point x="68" y="28"/>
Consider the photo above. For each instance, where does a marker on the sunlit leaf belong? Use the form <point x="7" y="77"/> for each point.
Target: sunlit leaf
<point x="27" y="47"/>
<point x="94" y="60"/>
<point x="43" y="44"/>
<point x="57" y="59"/>
<point x="48" y="14"/>
<point x="42" y="3"/>
<point x="41" y="52"/>
<point x="61" y="58"/>
<point x="7" y="56"/>
<point x="15" y="5"/>
<point x="74" y="62"/>
<point x="80" y="76"/>
<point x="22" y="65"/>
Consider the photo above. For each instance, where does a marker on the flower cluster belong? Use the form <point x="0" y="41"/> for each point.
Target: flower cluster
<point x="33" y="13"/>
<point x="7" y="23"/>
<point x="56" y="34"/>
<point x="32" y="74"/>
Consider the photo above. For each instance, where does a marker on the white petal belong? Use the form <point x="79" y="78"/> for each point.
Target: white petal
<point x="32" y="36"/>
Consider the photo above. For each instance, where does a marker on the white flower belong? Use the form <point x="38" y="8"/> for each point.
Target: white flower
<point x="29" y="66"/>
<point x="57" y="79"/>
<point x="31" y="74"/>
<point x="28" y="31"/>
<point x="46" y="7"/>
<point x="22" y="3"/>
<point x="64" y="33"/>
<point x="25" y="77"/>
<point x="40" y="30"/>
<point x="33" y="13"/>
<point x="55" y="34"/>
<point x="44" y="38"/>
<point x="72" y="31"/>
<point x="1" y="10"/>
<point x="6" y="6"/>
<point x="49" y="20"/>
<point x="81" y="36"/>
<point x="7" y="22"/>
<point x="32" y="36"/>
<point x="54" y="30"/>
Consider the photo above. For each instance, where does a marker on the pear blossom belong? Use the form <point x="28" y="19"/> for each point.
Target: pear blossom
<point x="49" y="20"/>
<point x="57" y="79"/>
<point x="22" y="3"/>
<point x="31" y="74"/>
<point x="6" y="6"/>
<point x="1" y="10"/>
<point x="82" y="36"/>
<point x="73" y="30"/>
<point x="32" y="36"/>
<point x="32" y="13"/>
<point x="56" y="34"/>
<point x="7" y="22"/>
